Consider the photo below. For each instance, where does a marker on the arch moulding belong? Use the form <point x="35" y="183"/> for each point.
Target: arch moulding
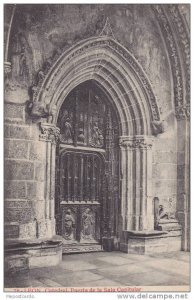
<point x="114" y="68"/>
<point x="120" y="76"/>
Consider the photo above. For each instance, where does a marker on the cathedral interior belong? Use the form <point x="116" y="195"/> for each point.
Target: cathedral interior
<point x="96" y="132"/>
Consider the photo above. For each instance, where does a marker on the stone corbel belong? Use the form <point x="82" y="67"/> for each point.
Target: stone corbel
<point x="49" y="133"/>
<point x="159" y="127"/>
<point x="39" y="110"/>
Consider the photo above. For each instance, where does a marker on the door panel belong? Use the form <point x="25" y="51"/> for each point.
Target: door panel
<point x="81" y="223"/>
<point x="81" y="175"/>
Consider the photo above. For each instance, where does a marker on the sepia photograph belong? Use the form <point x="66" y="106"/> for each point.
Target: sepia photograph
<point x="96" y="147"/>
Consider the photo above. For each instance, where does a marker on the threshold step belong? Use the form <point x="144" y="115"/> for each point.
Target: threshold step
<point x="83" y="248"/>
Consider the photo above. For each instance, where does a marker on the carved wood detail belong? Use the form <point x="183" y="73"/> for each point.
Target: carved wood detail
<point x="87" y="190"/>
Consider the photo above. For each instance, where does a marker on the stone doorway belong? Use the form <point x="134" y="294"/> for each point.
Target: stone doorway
<point x="87" y="165"/>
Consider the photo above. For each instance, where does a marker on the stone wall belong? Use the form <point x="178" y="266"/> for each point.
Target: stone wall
<point x="41" y="31"/>
<point x="164" y="166"/>
<point x="183" y="179"/>
<point x="24" y="175"/>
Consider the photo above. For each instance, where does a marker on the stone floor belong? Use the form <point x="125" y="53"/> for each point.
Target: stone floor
<point x="103" y="269"/>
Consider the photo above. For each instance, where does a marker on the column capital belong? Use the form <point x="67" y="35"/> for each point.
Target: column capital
<point x="183" y="112"/>
<point x="135" y="142"/>
<point x="49" y="133"/>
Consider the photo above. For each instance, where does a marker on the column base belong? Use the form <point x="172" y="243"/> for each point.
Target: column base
<point x="29" y="254"/>
<point x="41" y="229"/>
<point x="141" y="242"/>
<point x="169" y="225"/>
<point x="108" y="244"/>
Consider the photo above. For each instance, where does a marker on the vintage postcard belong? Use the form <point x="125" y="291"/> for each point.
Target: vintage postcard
<point x="97" y="147"/>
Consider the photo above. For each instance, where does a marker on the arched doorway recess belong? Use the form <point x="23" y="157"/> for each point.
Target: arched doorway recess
<point x="119" y="76"/>
<point x="87" y="166"/>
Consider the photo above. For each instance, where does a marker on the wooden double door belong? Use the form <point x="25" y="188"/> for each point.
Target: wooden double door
<point x="81" y="195"/>
<point x="87" y="167"/>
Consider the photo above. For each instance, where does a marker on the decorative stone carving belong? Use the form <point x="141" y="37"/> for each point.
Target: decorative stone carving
<point x="23" y="66"/>
<point x="7" y="71"/>
<point x="163" y="213"/>
<point x="97" y="139"/>
<point x="49" y="133"/>
<point x="139" y="71"/>
<point x="41" y="110"/>
<point x="102" y="41"/>
<point x="38" y="109"/>
<point x="68" y="132"/>
<point x="82" y="118"/>
<point x="184" y="42"/>
<point x="159" y="127"/>
<point x="81" y="137"/>
<point x="88" y="222"/>
<point x="107" y="30"/>
<point x="136" y="142"/>
<point x="183" y="112"/>
<point x="173" y="53"/>
<point x="69" y="223"/>
<point x="7" y="67"/>
<point x="39" y="81"/>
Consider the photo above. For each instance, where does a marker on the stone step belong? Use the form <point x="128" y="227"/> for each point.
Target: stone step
<point x="80" y="248"/>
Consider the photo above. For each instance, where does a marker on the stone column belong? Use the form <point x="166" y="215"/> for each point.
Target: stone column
<point x="136" y="183"/>
<point x="183" y="169"/>
<point x="49" y="134"/>
<point x="126" y="157"/>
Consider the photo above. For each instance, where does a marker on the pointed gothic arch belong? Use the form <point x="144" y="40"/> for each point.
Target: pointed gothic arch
<point x="114" y="68"/>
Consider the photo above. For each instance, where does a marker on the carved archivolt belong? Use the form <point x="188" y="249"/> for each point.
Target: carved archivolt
<point x="95" y="43"/>
<point x="175" y="57"/>
<point x="184" y="42"/>
<point x="173" y="54"/>
<point x="183" y="112"/>
<point x="114" y="68"/>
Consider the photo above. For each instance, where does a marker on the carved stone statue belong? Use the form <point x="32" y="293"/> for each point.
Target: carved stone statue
<point x="88" y="225"/>
<point x="67" y="135"/>
<point x="81" y="136"/>
<point x="97" y="137"/>
<point x="23" y="68"/>
<point x="159" y="212"/>
<point x="162" y="213"/>
<point x="41" y="76"/>
<point x="69" y="224"/>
